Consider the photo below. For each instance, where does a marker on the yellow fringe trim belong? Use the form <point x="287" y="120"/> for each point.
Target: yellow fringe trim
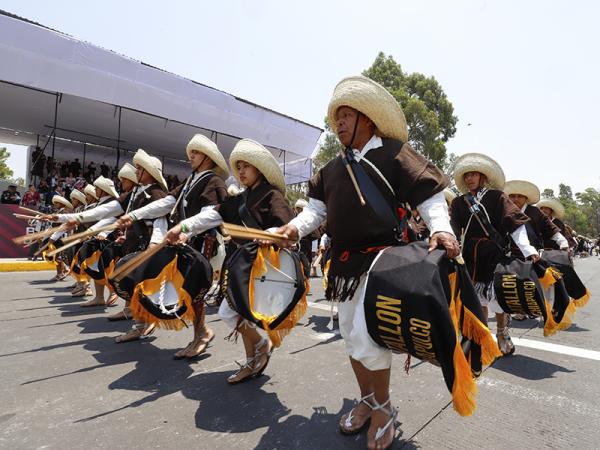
<point x="475" y="330"/>
<point x="52" y="260"/>
<point x="325" y="273"/>
<point x="550" y="277"/>
<point x="581" y="302"/>
<point x="152" y="286"/>
<point x="464" y="388"/>
<point x="259" y="268"/>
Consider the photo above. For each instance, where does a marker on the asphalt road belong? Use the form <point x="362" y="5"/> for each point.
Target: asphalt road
<point x="66" y="384"/>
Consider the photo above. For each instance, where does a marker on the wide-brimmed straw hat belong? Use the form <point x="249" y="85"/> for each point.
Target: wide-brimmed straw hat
<point x="150" y="164"/>
<point x="91" y="191"/>
<point x="301" y="203"/>
<point x="106" y="185"/>
<point x="204" y="145"/>
<point x="449" y="195"/>
<point x="478" y="162"/>
<point x="127" y="172"/>
<point x="58" y="199"/>
<point x="522" y="187"/>
<point x="79" y="196"/>
<point x="555" y="205"/>
<point x="374" y="101"/>
<point x="255" y="154"/>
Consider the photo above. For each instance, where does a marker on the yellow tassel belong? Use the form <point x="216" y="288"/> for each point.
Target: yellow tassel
<point x="550" y="327"/>
<point x="550" y="277"/>
<point x="452" y="306"/>
<point x="568" y="317"/>
<point x="325" y="273"/>
<point x="464" y="389"/>
<point x="581" y="302"/>
<point x="478" y="332"/>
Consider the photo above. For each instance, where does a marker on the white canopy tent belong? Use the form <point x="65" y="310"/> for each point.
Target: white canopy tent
<point x="81" y="101"/>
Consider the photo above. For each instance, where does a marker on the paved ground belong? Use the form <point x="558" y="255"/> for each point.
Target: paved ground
<point x="65" y="384"/>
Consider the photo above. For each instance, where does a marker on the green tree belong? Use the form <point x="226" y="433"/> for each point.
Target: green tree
<point x="548" y="193"/>
<point x="5" y="171"/>
<point x="589" y="204"/>
<point x="328" y="149"/>
<point x="565" y="193"/>
<point x="429" y="113"/>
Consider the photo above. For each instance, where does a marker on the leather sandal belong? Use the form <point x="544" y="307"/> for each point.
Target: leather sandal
<point x="93" y="302"/>
<point x="347" y="421"/>
<point x="136" y="333"/>
<point x="112" y="300"/>
<point x="392" y="413"/>
<point x="196" y="348"/>
<point x="124" y="314"/>
<point x="262" y="358"/>
<point x="505" y="343"/>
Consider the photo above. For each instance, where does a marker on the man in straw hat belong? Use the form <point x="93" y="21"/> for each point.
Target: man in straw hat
<point x="62" y="270"/>
<point x="204" y="188"/>
<point x="262" y="205"/>
<point x="555" y="211"/>
<point x="484" y="216"/>
<point x="370" y="123"/>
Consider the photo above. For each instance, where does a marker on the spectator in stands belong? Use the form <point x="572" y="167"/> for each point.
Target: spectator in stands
<point x="104" y="169"/>
<point x="75" y="168"/>
<point x="91" y="171"/>
<point x="32" y="198"/>
<point x="38" y="161"/>
<point x="11" y="196"/>
<point x="64" y="169"/>
<point x="44" y="190"/>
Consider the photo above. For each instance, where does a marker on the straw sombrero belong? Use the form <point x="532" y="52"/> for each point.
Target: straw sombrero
<point x="525" y="188"/>
<point x="127" y="172"/>
<point x="204" y="145"/>
<point x="91" y="191"/>
<point x="449" y="195"/>
<point x="106" y="185"/>
<point x="254" y="153"/>
<point x="477" y="162"/>
<point x="374" y="101"/>
<point x="301" y="203"/>
<point x="62" y="201"/>
<point x="150" y="164"/>
<point x="79" y="196"/>
<point x="557" y="208"/>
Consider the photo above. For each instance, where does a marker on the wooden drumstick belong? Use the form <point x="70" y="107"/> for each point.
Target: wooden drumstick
<point x="64" y="247"/>
<point x="37" y="236"/>
<point x="353" y="178"/>
<point x="25" y="217"/>
<point x="32" y="211"/>
<point x="130" y="265"/>
<point x="89" y="233"/>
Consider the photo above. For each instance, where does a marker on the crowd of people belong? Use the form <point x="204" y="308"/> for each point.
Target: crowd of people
<point x="391" y="235"/>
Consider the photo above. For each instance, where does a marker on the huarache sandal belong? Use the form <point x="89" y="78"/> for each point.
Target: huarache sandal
<point x="93" y="302"/>
<point x="505" y="343"/>
<point x="112" y="300"/>
<point x="180" y="354"/>
<point x="353" y="423"/>
<point x="124" y="314"/>
<point x="381" y="432"/>
<point x="196" y="348"/>
<point x="262" y="358"/>
<point x="137" y="333"/>
<point x="244" y="372"/>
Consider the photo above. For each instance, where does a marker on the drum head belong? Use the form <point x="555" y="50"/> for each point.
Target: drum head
<point x="274" y="291"/>
<point x="168" y="294"/>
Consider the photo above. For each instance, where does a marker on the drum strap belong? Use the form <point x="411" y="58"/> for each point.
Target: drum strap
<point x="479" y="212"/>
<point x="375" y="198"/>
<point x="247" y="219"/>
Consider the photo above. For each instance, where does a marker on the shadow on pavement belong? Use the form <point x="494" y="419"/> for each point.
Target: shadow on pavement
<point x="528" y="368"/>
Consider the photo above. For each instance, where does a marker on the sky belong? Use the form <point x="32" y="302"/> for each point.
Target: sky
<point x="525" y="75"/>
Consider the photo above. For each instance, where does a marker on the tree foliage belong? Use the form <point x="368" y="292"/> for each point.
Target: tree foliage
<point x="582" y="210"/>
<point x="5" y="171"/>
<point x="429" y="113"/>
<point x="548" y="193"/>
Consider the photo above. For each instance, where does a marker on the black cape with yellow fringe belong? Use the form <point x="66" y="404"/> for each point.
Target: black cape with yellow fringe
<point x="415" y="302"/>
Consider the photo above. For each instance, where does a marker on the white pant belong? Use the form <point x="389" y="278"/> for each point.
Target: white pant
<point x="353" y="328"/>
<point x="229" y="316"/>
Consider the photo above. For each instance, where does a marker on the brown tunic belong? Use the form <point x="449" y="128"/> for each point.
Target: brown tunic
<point x="539" y="230"/>
<point x="549" y="244"/>
<point x="354" y="228"/>
<point x="208" y="190"/>
<point x="138" y="236"/>
<point x="481" y="255"/>
<point x="265" y="203"/>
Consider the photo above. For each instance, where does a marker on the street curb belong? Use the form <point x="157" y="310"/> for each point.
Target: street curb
<point x="25" y="266"/>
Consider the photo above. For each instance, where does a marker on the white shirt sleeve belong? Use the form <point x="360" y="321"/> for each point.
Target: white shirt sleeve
<point x="57" y="235"/>
<point x="207" y="218"/>
<point x="155" y="209"/>
<point x="522" y="241"/>
<point x="101" y="223"/>
<point x="159" y="230"/>
<point x="108" y="209"/>
<point x="562" y="242"/>
<point x="434" y="211"/>
<point x="311" y="217"/>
